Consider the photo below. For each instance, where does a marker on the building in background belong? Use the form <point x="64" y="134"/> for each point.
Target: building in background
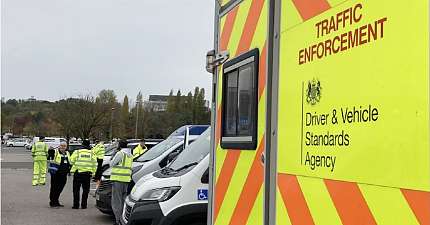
<point x="156" y="102"/>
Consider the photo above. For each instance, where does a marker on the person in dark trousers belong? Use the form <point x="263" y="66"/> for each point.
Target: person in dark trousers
<point x="59" y="167"/>
<point x="84" y="166"/>
<point x="120" y="176"/>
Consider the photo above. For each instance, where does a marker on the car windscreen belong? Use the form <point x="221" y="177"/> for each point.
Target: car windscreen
<point x="111" y="149"/>
<point x="193" y="154"/>
<point x="158" y="149"/>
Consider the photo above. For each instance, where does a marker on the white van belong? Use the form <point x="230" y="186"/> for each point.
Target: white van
<point x="175" y="195"/>
<point x="52" y="142"/>
<point x="152" y="160"/>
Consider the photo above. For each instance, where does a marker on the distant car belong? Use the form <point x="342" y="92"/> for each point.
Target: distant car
<point x="28" y="146"/>
<point x="54" y="142"/>
<point x="18" y="142"/>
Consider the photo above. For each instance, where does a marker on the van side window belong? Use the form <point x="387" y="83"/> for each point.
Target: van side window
<point x="240" y="102"/>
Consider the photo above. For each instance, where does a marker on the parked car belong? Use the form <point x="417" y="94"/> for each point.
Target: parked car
<point x="152" y="160"/>
<point x="176" y="194"/>
<point x="17" y="142"/>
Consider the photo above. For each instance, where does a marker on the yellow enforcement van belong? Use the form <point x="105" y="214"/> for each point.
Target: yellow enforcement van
<point x="320" y="112"/>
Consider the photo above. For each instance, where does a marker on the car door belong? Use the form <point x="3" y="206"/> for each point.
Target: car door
<point x="20" y="142"/>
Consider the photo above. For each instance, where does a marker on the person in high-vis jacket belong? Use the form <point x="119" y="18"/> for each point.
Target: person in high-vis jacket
<point x="139" y="150"/>
<point x="84" y="164"/>
<point x="59" y="167"/>
<point x="39" y="152"/>
<point x="121" y="175"/>
<point x="99" y="152"/>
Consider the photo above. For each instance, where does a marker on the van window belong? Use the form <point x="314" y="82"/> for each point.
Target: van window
<point x="159" y="149"/>
<point x="197" y="130"/>
<point x="240" y="102"/>
<point x="193" y="154"/>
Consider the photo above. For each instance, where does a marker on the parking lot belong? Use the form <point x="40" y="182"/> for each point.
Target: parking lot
<point x="23" y="204"/>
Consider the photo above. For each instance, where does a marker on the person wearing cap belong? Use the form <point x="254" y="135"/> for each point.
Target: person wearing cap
<point x="59" y="167"/>
<point x="84" y="164"/>
<point x="120" y="176"/>
<point x="39" y="152"/>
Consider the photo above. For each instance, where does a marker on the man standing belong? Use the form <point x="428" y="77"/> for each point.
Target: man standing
<point x="99" y="152"/>
<point x="139" y="149"/>
<point x="84" y="164"/>
<point x="121" y="176"/>
<point x="59" y="168"/>
<point x="39" y="152"/>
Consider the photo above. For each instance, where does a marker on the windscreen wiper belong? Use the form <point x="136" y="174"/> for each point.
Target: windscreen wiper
<point x="167" y="170"/>
<point x="186" y="166"/>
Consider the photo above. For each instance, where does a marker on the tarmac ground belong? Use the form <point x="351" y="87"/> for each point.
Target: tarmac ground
<point x="23" y="204"/>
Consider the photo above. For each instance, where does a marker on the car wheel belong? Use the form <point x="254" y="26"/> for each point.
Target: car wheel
<point x="11" y="145"/>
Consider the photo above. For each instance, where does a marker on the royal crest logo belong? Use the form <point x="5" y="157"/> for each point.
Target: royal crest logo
<point x="313" y="92"/>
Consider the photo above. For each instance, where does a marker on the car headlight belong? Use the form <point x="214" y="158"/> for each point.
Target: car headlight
<point x="160" y="194"/>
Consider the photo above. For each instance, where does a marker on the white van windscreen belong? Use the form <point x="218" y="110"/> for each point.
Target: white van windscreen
<point x="194" y="153"/>
<point x="158" y="149"/>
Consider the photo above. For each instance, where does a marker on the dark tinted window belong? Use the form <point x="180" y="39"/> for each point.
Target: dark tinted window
<point x="240" y="102"/>
<point x="197" y="130"/>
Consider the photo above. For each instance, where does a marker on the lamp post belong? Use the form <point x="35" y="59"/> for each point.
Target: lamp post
<point x="111" y="124"/>
<point x="137" y="117"/>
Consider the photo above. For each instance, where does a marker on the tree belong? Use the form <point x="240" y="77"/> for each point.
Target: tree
<point x="171" y="102"/>
<point x="66" y="116"/>
<point x="139" y="128"/>
<point x="107" y="105"/>
<point x="125" y="117"/>
<point x="195" y="104"/>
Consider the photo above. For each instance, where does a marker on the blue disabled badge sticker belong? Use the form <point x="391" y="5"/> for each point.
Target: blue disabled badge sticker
<point x="202" y="194"/>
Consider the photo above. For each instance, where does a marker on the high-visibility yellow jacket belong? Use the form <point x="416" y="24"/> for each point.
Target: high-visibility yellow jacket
<point x="57" y="157"/>
<point x="83" y="160"/>
<point x="122" y="171"/>
<point x="55" y="163"/>
<point x="99" y="151"/>
<point x="139" y="151"/>
<point x="39" y="151"/>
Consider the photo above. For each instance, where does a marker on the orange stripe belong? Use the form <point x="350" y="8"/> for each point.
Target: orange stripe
<point x="228" y="28"/>
<point x="419" y="201"/>
<point x="250" y="26"/>
<point x="349" y="202"/>
<point x="310" y="8"/>
<point x="224" y="179"/>
<point x="232" y="157"/>
<point x="250" y="191"/>
<point x="262" y="72"/>
<point x="294" y="200"/>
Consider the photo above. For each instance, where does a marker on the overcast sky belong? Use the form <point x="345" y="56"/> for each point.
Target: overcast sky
<point x="59" y="48"/>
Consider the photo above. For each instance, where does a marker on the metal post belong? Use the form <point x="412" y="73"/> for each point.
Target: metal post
<point x="211" y="197"/>
<point x="111" y="124"/>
